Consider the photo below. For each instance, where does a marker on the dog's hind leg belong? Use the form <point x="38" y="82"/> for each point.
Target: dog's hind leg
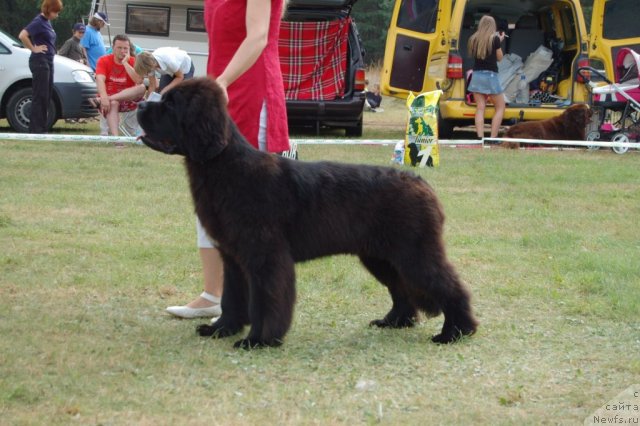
<point x="402" y="313"/>
<point x="235" y="314"/>
<point x="271" y="301"/>
<point x="456" y="307"/>
<point x="436" y="288"/>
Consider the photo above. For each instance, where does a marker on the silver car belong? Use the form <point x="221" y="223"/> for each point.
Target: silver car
<point x="74" y="83"/>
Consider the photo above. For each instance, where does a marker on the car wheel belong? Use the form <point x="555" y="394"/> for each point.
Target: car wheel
<point x="355" y="131"/>
<point x="19" y="111"/>
<point x="445" y="128"/>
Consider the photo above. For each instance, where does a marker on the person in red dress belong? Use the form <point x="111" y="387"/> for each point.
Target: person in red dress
<point x="243" y="59"/>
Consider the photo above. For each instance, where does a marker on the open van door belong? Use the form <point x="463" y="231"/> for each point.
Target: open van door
<point x="614" y="24"/>
<point x="417" y="48"/>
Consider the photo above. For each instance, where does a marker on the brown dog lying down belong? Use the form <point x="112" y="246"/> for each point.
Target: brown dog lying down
<point x="570" y="126"/>
<point x="267" y="212"/>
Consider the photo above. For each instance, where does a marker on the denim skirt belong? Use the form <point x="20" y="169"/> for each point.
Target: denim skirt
<point x="485" y="82"/>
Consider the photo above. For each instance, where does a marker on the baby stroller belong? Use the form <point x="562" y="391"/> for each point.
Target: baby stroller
<point x="615" y="106"/>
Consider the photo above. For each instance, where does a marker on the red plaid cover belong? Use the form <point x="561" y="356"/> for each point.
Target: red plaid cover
<point x="313" y="58"/>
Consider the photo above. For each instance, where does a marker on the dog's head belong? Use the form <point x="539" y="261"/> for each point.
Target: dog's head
<point x="190" y="120"/>
<point x="579" y="114"/>
<point x="576" y="118"/>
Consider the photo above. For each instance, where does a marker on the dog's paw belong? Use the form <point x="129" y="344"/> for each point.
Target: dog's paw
<point x="248" y="344"/>
<point x="393" y="323"/>
<point x="216" y="331"/>
<point x="451" y="336"/>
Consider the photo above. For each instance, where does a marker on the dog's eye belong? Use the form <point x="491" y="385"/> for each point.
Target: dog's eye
<point x="168" y="104"/>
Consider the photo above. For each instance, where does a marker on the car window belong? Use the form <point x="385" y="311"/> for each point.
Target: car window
<point x="8" y="38"/>
<point x="568" y="25"/>
<point x="418" y="15"/>
<point x="598" y="65"/>
<point x="621" y="19"/>
<point x="4" y="50"/>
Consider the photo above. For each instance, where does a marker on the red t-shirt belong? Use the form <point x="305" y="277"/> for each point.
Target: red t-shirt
<point x="117" y="78"/>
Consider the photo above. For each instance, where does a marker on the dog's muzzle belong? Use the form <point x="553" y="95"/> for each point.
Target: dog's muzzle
<point x="161" y="146"/>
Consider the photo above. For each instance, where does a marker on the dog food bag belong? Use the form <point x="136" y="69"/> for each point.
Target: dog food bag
<point x="421" y="139"/>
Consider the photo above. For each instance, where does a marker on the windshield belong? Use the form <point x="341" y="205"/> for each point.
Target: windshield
<point x="9" y="39"/>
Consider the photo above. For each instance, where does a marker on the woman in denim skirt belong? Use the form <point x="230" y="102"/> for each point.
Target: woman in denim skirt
<point x="484" y="47"/>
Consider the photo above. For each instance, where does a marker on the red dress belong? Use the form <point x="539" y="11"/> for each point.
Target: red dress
<point x="225" y="22"/>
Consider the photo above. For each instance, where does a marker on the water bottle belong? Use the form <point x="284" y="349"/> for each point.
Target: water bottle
<point x="398" y="153"/>
<point x="522" y="95"/>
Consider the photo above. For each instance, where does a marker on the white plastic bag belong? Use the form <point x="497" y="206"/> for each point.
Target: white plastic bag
<point x="508" y="68"/>
<point x="537" y="62"/>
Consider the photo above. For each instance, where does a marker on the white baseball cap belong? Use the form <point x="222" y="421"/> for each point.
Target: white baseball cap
<point x="101" y="16"/>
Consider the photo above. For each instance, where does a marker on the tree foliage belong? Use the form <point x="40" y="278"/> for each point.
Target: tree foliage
<point x="372" y="18"/>
<point x="17" y="14"/>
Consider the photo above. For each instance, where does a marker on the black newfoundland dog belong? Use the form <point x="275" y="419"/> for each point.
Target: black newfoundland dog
<point x="267" y="212"/>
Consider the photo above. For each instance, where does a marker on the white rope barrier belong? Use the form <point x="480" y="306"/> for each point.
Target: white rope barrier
<point x="53" y="137"/>
<point x="606" y="144"/>
<point x="375" y="142"/>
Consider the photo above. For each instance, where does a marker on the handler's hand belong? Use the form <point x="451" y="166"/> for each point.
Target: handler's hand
<point x="223" y="86"/>
<point x="41" y="48"/>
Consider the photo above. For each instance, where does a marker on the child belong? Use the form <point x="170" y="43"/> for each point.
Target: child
<point x="71" y="48"/>
<point x="374" y="99"/>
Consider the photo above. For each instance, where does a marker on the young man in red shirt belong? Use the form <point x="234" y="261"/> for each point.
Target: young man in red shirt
<point x="119" y="87"/>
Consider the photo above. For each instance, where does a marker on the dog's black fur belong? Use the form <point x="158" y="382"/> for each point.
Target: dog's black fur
<point x="267" y="212"/>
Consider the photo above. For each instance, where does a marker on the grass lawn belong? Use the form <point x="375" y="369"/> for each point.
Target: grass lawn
<point x="97" y="241"/>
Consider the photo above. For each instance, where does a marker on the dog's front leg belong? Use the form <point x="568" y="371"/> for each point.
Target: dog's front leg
<point x="235" y="313"/>
<point x="271" y="300"/>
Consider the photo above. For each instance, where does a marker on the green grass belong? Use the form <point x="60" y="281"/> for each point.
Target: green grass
<point x="96" y="242"/>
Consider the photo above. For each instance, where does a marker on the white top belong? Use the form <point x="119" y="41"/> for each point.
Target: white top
<point x="172" y="60"/>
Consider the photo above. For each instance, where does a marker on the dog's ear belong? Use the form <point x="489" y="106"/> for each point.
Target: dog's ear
<point x="205" y="121"/>
<point x="574" y="113"/>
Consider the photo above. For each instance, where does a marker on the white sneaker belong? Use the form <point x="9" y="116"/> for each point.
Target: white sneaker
<point x="187" y="312"/>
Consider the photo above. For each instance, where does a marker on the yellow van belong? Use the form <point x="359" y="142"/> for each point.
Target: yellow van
<point x="426" y="49"/>
<point x="615" y="25"/>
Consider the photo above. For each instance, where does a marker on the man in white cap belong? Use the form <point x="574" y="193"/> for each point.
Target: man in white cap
<point x="92" y="41"/>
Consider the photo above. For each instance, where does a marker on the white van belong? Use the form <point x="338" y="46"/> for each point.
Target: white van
<point x="73" y="85"/>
